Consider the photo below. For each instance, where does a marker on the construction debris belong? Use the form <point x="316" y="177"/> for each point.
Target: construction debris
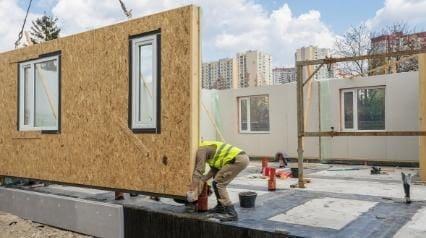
<point x="375" y="170"/>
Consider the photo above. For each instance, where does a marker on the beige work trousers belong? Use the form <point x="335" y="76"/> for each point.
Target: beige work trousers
<point x="226" y="174"/>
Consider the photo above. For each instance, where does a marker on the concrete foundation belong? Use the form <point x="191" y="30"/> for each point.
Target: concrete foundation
<point x="84" y="216"/>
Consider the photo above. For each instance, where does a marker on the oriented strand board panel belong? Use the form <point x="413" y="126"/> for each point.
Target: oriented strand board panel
<point x="95" y="146"/>
<point x="422" y="115"/>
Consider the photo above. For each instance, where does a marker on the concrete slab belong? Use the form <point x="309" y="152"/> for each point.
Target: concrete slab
<point x="326" y="212"/>
<point x="363" y="172"/>
<point x="383" y="220"/>
<point x="415" y="228"/>
<point x="90" y="191"/>
<point x="371" y="188"/>
<point x="390" y="189"/>
<point x="83" y="216"/>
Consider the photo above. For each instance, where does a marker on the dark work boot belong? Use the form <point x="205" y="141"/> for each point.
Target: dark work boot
<point x="218" y="209"/>
<point x="230" y="214"/>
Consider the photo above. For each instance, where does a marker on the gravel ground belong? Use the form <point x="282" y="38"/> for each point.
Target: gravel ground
<point x="14" y="227"/>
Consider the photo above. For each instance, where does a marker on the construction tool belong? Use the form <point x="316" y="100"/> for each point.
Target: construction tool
<point x="406" y="181"/>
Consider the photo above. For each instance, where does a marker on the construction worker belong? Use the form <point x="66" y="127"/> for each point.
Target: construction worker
<point x="226" y="162"/>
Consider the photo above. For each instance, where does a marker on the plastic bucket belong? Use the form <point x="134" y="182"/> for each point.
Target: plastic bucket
<point x="295" y="172"/>
<point x="247" y="199"/>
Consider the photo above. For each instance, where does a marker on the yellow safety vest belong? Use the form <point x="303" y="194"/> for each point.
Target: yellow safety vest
<point x="224" y="154"/>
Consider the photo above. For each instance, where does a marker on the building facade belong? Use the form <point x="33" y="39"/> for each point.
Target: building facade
<point x="397" y="41"/>
<point x="254" y="69"/>
<point x="283" y="75"/>
<point x="221" y="74"/>
<point x="314" y="53"/>
<point x="280" y="129"/>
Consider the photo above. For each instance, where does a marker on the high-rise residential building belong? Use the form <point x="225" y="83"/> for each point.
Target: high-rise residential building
<point x="283" y="75"/>
<point x="313" y="53"/>
<point x="397" y="41"/>
<point x="221" y="74"/>
<point x="254" y="69"/>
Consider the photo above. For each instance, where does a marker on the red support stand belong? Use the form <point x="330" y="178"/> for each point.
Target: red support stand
<point x="272" y="182"/>
<point x="264" y="165"/>
<point x="202" y="203"/>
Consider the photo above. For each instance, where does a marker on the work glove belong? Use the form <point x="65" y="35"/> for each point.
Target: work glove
<point x="191" y="196"/>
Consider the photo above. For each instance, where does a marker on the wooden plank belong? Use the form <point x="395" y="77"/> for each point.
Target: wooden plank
<point x="95" y="146"/>
<point x="300" y="123"/>
<point x="365" y="133"/>
<point x="313" y="74"/>
<point x="361" y="57"/>
<point x="319" y="122"/>
<point x="195" y="86"/>
<point x="422" y="115"/>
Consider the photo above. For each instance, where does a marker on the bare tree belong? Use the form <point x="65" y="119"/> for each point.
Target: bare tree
<point x="355" y="42"/>
<point x="358" y="40"/>
<point x="395" y="37"/>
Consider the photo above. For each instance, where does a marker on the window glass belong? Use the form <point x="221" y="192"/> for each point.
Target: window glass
<point x="254" y="114"/>
<point x="27" y="96"/>
<point x="46" y="94"/>
<point x="39" y="94"/>
<point x="146" y="85"/>
<point x="371" y="109"/>
<point x="348" y="110"/>
<point x="243" y="116"/>
<point x="145" y="78"/>
<point x="259" y="113"/>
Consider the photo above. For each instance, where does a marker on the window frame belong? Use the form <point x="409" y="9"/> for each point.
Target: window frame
<point x="135" y="41"/>
<point x="249" y="131"/>
<point x="355" y="108"/>
<point x="22" y="65"/>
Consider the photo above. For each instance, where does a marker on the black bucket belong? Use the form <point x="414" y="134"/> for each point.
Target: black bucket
<point x="247" y="199"/>
<point x="295" y="172"/>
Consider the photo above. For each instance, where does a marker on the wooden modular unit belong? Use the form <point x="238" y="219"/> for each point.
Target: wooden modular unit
<point x="95" y="146"/>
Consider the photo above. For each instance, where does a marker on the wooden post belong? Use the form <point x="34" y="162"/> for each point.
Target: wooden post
<point x="422" y="115"/>
<point x="319" y="122"/>
<point x="300" y="123"/>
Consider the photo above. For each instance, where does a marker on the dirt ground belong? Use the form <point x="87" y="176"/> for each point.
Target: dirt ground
<point x="14" y="227"/>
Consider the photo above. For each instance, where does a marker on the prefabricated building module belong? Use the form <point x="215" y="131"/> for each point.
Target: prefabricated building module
<point x="115" y="107"/>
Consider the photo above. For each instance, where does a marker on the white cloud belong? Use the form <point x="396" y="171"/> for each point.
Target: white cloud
<point x="411" y="11"/>
<point x="228" y="26"/>
<point x="12" y="17"/>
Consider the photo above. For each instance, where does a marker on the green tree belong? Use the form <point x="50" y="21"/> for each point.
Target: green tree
<point x="44" y="29"/>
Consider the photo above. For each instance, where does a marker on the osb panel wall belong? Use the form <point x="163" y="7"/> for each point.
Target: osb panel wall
<point x="95" y="146"/>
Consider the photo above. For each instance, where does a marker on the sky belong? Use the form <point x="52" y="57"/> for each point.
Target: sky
<point x="277" y="27"/>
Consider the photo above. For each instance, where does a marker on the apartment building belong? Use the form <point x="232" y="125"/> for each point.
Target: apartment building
<point x="254" y="69"/>
<point x="221" y="74"/>
<point x="283" y="75"/>
<point x="396" y="42"/>
<point x="313" y="53"/>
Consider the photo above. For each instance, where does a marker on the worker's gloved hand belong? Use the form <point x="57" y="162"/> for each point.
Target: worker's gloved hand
<point x="191" y="196"/>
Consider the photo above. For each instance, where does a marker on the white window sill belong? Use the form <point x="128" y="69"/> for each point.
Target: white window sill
<point x="349" y="130"/>
<point x="38" y="129"/>
<point x="255" y="132"/>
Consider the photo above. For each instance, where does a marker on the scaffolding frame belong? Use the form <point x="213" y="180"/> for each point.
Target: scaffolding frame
<point x="301" y="133"/>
